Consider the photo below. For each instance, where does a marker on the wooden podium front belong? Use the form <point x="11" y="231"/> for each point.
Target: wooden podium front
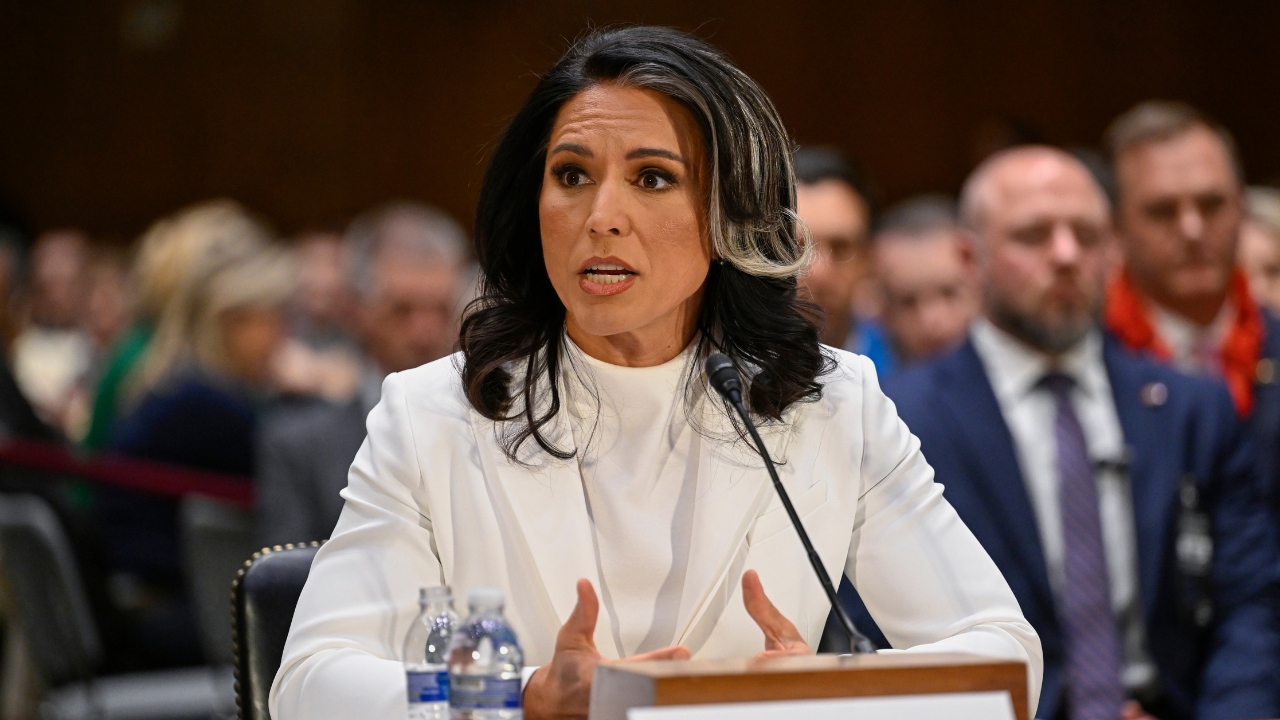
<point x="618" y="687"/>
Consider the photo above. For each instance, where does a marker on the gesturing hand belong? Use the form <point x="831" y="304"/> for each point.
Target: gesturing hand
<point x="780" y="635"/>
<point x="1133" y="711"/>
<point x="562" y="687"/>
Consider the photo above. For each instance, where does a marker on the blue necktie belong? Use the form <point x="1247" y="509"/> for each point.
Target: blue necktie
<point x="1094" y="685"/>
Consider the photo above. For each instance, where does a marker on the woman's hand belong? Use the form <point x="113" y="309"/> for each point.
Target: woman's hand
<point x="562" y="687"/>
<point x="780" y="635"/>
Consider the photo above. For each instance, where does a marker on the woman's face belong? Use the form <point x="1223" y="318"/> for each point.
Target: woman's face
<point x="252" y="335"/>
<point x="623" y="223"/>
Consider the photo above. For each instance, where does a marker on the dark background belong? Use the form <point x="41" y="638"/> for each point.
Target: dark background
<point x="114" y="113"/>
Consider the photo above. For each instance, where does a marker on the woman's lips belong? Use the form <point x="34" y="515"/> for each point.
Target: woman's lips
<point x="606" y="279"/>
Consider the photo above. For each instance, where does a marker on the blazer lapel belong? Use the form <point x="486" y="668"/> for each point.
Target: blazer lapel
<point x="545" y="509"/>
<point x="733" y="490"/>
<point x="976" y="416"/>
<point x="1152" y="462"/>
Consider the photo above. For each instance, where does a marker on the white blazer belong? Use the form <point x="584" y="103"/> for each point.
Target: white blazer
<point x="431" y="499"/>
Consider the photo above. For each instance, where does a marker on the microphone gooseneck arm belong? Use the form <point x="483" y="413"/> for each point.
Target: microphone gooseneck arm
<point x="724" y="378"/>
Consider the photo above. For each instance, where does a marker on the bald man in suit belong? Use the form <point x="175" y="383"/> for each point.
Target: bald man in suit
<point x="1119" y="498"/>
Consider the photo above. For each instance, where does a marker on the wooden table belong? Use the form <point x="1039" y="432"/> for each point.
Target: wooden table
<point x="620" y="686"/>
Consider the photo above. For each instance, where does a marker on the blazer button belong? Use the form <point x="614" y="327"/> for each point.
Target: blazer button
<point x="1154" y="394"/>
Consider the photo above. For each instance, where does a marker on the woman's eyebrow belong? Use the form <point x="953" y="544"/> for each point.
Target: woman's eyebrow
<point x="654" y="152"/>
<point x="574" y="148"/>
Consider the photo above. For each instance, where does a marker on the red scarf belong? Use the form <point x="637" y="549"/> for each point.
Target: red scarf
<point x="1126" y="314"/>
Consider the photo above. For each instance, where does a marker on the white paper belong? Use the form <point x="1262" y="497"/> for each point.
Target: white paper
<point x="951" y="706"/>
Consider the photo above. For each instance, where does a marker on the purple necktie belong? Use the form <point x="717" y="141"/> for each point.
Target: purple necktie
<point x="1094" y="686"/>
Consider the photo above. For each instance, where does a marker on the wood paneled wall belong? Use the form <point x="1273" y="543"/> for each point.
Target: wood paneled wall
<point x="113" y="113"/>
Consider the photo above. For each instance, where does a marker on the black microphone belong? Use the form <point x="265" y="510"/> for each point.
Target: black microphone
<point x="723" y="376"/>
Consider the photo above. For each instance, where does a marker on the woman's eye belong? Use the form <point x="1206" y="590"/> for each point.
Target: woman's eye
<point x="572" y="178"/>
<point x="654" y="181"/>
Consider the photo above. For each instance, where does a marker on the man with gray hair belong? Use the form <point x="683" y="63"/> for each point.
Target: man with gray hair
<point x="410" y="276"/>
<point x="1117" y="496"/>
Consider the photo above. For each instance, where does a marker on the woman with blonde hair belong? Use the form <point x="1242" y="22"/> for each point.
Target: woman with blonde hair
<point x="1259" y="248"/>
<point x="209" y="360"/>
<point x="167" y="254"/>
<point x="199" y="389"/>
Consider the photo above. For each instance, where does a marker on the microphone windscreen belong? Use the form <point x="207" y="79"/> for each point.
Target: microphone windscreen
<point x="716" y="361"/>
<point x="722" y="375"/>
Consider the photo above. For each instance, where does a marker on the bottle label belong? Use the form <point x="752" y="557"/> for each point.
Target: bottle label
<point x="482" y="692"/>
<point x="431" y="686"/>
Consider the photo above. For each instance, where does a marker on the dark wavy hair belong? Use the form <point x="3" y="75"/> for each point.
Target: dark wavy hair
<point x="511" y="334"/>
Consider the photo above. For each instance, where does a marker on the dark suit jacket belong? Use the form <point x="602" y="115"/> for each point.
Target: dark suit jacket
<point x="304" y="453"/>
<point x="1265" y="421"/>
<point x="1230" y="670"/>
<point x="192" y="419"/>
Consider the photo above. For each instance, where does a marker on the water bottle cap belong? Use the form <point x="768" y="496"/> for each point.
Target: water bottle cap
<point x="485" y="597"/>
<point x="439" y="593"/>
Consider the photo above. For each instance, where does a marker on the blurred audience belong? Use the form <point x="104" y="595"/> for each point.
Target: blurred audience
<point x="409" y="277"/>
<point x="322" y="356"/>
<point x="201" y="383"/>
<point x="1181" y="296"/>
<point x="1259" y="251"/>
<point x="167" y="255"/>
<point x="107" y="309"/>
<point x="325" y="304"/>
<point x="835" y="204"/>
<point x="209" y="363"/>
<point x="1095" y="478"/>
<point x="52" y="354"/>
<point x="12" y="273"/>
<point x="17" y="416"/>
<point x="920" y="265"/>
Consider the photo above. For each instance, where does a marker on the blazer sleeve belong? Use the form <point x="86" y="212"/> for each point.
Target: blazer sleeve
<point x="342" y="656"/>
<point x="924" y="578"/>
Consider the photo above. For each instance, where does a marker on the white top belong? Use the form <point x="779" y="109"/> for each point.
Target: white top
<point x="49" y="364"/>
<point x="433" y="499"/>
<point x="636" y="474"/>
<point x="1015" y="370"/>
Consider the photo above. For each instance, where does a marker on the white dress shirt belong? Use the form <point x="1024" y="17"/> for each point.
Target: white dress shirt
<point x="1015" y="371"/>
<point x="1196" y="349"/>
<point x="432" y="498"/>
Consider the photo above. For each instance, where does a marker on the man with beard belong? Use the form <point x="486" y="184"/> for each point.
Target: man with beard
<point x="1117" y="496"/>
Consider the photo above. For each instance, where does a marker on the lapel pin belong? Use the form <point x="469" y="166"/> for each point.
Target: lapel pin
<point x="1266" y="371"/>
<point x="1154" y="394"/>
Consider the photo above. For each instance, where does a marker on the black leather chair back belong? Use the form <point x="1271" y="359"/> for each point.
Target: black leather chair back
<point x="49" y="597"/>
<point x="264" y="596"/>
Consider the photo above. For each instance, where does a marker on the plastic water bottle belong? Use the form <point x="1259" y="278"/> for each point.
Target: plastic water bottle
<point x="426" y="654"/>
<point x="485" y="662"/>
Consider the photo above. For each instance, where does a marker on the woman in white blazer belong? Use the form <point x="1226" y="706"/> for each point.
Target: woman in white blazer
<point x="637" y="215"/>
